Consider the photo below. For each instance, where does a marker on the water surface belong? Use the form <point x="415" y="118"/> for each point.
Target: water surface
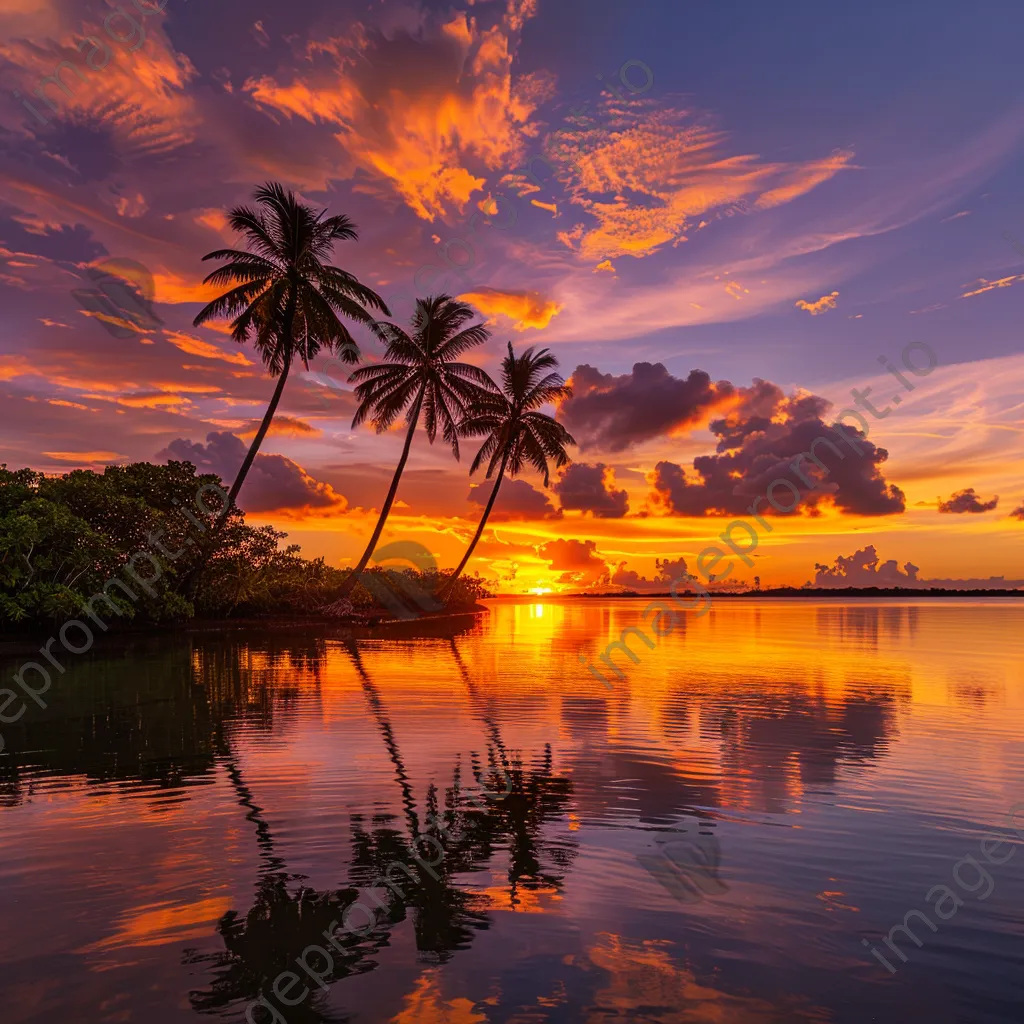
<point x="712" y="838"/>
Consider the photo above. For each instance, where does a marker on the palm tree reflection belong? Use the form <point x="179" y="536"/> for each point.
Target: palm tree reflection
<point x="400" y="867"/>
<point x="535" y="795"/>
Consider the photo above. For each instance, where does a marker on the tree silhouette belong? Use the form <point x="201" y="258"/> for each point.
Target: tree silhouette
<point x="516" y="434"/>
<point x="419" y="375"/>
<point x="284" y="292"/>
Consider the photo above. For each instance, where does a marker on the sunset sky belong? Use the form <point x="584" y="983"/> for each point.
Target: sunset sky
<point x="743" y="207"/>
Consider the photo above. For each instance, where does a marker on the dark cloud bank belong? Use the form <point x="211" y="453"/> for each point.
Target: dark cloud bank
<point x="967" y="501"/>
<point x="274" y="483"/>
<point x="760" y="436"/>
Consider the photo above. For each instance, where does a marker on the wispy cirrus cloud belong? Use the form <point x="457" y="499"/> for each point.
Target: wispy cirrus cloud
<point x="193" y="346"/>
<point x="423" y="116"/>
<point x="128" y="83"/>
<point x="648" y="176"/>
<point x="983" y="285"/>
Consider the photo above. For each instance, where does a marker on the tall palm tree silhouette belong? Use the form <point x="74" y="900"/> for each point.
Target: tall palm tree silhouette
<point x="419" y="374"/>
<point x="516" y="434"/>
<point x="285" y="294"/>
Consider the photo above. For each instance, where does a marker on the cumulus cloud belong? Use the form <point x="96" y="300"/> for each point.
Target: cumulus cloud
<point x="612" y="413"/>
<point x="967" y="501"/>
<point x="425" y="115"/>
<point x="274" y="484"/>
<point x="576" y="560"/>
<point x="864" y="569"/>
<point x="517" y="499"/>
<point x="591" y="488"/>
<point x="1018" y="513"/>
<point x="525" y="309"/>
<point x="648" y="176"/>
<point x="822" y="305"/>
<point x="669" y="571"/>
<point x="758" y="441"/>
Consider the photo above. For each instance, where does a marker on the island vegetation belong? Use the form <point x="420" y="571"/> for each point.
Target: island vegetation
<point x="133" y="546"/>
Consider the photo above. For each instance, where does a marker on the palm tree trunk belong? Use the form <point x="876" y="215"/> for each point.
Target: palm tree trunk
<point x="209" y="546"/>
<point x="479" y="530"/>
<point x="254" y="448"/>
<point x="338" y="606"/>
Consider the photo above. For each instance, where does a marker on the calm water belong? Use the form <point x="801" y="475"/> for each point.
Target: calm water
<point x="708" y="840"/>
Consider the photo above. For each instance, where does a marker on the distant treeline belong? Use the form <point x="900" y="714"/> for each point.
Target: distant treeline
<point x="134" y="546"/>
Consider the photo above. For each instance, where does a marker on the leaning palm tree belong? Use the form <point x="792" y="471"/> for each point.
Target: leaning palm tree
<point x="516" y="433"/>
<point x="285" y="294"/>
<point x="419" y="374"/>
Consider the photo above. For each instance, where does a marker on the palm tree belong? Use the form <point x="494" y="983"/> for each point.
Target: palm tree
<point x="419" y="374"/>
<point x="285" y="294"/>
<point x="516" y="434"/>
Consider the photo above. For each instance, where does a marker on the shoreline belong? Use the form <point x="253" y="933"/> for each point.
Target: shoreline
<point x="328" y="627"/>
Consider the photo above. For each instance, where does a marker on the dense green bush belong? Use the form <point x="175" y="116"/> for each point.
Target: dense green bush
<point x="63" y="539"/>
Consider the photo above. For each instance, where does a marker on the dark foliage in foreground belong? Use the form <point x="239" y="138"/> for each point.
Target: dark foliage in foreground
<point x="64" y="539"/>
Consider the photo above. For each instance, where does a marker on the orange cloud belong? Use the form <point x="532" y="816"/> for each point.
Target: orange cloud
<point x="16" y="366"/>
<point x="822" y="305"/>
<point x="665" y="172"/>
<point x="988" y="286"/>
<point x="413" y="129"/>
<point x="215" y="220"/>
<point x="281" y="426"/>
<point x="527" y="309"/>
<point x="205" y="349"/>
<point x="138" y="96"/>
<point x="172" y="289"/>
<point x="89" y="457"/>
<point x="152" y="400"/>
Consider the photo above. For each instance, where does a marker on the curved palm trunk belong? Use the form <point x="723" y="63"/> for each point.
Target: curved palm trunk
<point x="211" y="541"/>
<point x="254" y="448"/>
<point x="479" y="530"/>
<point x="208" y="548"/>
<point x="349" y="585"/>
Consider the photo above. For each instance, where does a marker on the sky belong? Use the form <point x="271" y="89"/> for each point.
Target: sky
<point x="722" y="218"/>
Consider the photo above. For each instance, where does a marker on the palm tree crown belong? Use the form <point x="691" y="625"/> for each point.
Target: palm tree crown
<point x="515" y="431"/>
<point x="284" y="292"/>
<point x="419" y="372"/>
<point x="517" y="434"/>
